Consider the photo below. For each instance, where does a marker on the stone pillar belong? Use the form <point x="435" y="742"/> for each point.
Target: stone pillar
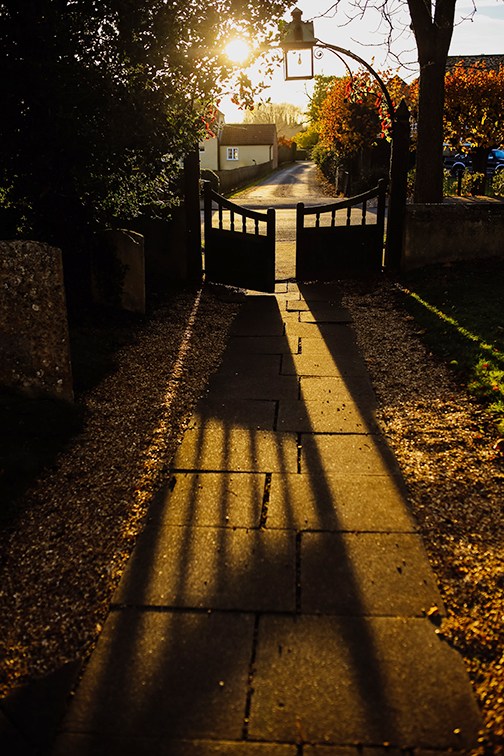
<point x="118" y="265"/>
<point x="34" y="345"/>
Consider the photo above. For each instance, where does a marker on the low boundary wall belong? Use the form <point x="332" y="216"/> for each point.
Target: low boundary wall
<point x="238" y="177"/>
<point x="449" y="232"/>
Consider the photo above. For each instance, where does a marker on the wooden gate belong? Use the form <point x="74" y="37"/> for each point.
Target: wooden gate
<point x="330" y="246"/>
<point x="237" y="254"/>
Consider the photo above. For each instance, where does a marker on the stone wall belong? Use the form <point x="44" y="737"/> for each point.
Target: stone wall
<point x="449" y="232"/>
<point x="34" y="346"/>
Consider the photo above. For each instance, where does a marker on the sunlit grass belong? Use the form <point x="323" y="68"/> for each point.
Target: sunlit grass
<point x="461" y="311"/>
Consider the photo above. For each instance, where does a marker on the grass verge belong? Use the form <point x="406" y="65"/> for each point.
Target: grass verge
<point x="460" y="310"/>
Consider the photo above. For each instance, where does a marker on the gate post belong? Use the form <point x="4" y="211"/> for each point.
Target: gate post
<point x="192" y="212"/>
<point x="398" y="186"/>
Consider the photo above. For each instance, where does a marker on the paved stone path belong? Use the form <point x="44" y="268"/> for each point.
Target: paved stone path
<point x="276" y="603"/>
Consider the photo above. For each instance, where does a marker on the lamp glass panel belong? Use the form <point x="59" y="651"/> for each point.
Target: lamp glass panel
<point x="298" y="64"/>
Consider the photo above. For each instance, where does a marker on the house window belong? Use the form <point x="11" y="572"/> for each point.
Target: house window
<point x="232" y="153"/>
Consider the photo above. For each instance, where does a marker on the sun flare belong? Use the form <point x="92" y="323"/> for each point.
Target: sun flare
<point x="238" y="50"/>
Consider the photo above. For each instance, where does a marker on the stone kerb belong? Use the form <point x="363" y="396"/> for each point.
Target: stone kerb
<point x="34" y="345"/>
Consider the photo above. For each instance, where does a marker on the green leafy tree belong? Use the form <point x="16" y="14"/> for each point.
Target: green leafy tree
<point x="102" y="98"/>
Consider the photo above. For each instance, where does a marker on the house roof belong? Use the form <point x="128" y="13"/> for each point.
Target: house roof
<point x="492" y="62"/>
<point x="249" y="133"/>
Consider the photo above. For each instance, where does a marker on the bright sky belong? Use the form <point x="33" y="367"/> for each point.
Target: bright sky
<point x="483" y="34"/>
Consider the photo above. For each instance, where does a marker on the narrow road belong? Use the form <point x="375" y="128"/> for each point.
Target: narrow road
<point x="297" y="183"/>
<point x="283" y="190"/>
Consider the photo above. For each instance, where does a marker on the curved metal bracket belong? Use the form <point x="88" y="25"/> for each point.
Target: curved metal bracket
<point x="340" y="50"/>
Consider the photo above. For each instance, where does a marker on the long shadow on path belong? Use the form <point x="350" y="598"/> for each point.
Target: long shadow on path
<point x="276" y="600"/>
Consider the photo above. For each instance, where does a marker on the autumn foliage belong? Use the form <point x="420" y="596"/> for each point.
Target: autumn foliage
<point x="474" y="107"/>
<point x="355" y="114"/>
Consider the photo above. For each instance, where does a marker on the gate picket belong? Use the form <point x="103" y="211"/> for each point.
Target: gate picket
<point x="236" y="257"/>
<point x="324" y="251"/>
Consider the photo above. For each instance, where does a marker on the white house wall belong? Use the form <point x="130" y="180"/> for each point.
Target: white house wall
<point x="247" y="155"/>
<point x="209" y="154"/>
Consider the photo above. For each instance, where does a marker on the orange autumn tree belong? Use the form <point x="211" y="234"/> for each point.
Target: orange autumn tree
<point x="355" y="125"/>
<point x="354" y="114"/>
<point x="474" y="113"/>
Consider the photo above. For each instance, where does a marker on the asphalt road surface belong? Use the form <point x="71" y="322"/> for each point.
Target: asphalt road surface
<point x="283" y="190"/>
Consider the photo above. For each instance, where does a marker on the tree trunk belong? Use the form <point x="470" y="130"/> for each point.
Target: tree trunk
<point x="433" y="36"/>
<point x="429" y="154"/>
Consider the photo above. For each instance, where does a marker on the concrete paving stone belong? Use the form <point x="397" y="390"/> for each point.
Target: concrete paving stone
<point x="76" y="744"/>
<point x="332" y="502"/>
<point x="236" y="449"/>
<point x="154" y="674"/>
<point x="320" y="292"/>
<point x="340" y="343"/>
<point x="322" y="365"/>
<point x="217" y="413"/>
<point x="211" y="568"/>
<point x="346" y="454"/>
<point x="367" y="680"/>
<point x="385" y="574"/>
<point x="258" y="316"/>
<point x="329" y="416"/>
<point x="232" y="500"/>
<point x="302" y="305"/>
<point x="270" y="388"/>
<point x="253" y="365"/>
<point x="350" y="388"/>
<point x="313" y="330"/>
<point x="264" y="344"/>
<point x="326" y="315"/>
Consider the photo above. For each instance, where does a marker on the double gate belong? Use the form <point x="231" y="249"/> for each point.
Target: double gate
<point x="240" y="243"/>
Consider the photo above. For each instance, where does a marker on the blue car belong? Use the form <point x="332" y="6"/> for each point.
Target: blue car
<point x="458" y="161"/>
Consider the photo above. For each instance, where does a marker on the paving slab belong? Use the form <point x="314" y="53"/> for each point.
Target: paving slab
<point x="76" y="744"/>
<point x="366" y="680"/>
<point x="355" y="387"/>
<point x="347" y="454"/>
<point x="236" y="449"/>
<point x="244" y="387"/>
<point x="258" y="316"/>
<point x="313" y="330"/>
<point x="329" y="416"/>
<point x="211" y="568"/>
<point x="386" y="574"/>
<point x="231" y="500"/>
<point x="370" y="503"/>
<point x="302" y="305"/>
<point x="326" y="315"/>
<point x="166" y="675"/>
<point x="264" y="344"/>
<point x="323" y="364"/>
<point x="341" y="342"/>
<point x="215" y="413"/>
<point x="254" y="365"/>
<point x="320" y="292"/>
